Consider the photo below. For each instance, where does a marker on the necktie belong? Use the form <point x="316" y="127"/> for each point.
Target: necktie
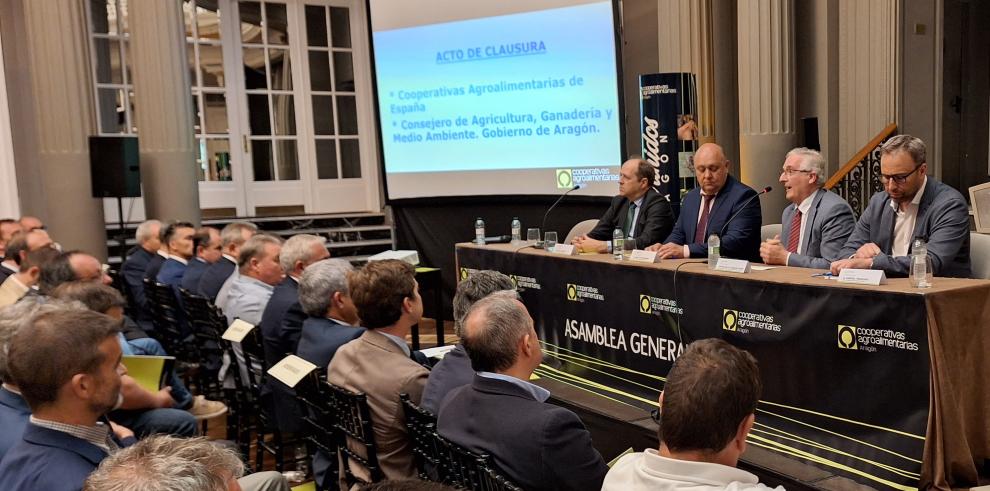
<point x="795" y="234"/>
<point x="629" y="219"/>
<point x="699" y="234"/>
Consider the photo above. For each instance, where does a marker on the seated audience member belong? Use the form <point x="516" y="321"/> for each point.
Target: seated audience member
<point x="407" y="485"/>
<point x="67" y="367"/>
<point x="249" y="290"/>
<point x="454" y="370"/>
<point x="158" y="260"/>
<point x="206" y="243"/>
<point x="332" y="323"/>
<point x="8" y="228"/>
<point x="232" y="237"/>
<point x="178" y="236"/>
<point x="21" y="244"/>
<point x="534" y="444"/>
<point x="911" y="205"/>
<point x="281" y="322"/>
<point x="816" y="224"/>
<point x="379" y="363"/>
<point x="106" y="300"/>
<point x="134" y="267"/>
<point x="14" y="410"/>
<point x="164" y="463"/>
<point x="707" y="208"/>
<point x="706" y="410"/>
<point x="71" y="266"/>
<point x="29" y="223"/>
<point x="24" y="283"/>
<point x="639" y="211"/>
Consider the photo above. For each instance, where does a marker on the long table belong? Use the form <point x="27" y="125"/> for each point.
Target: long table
<point x="880" y="384"/>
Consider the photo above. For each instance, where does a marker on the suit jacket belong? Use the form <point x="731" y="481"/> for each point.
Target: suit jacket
<point x="133" y="271"/>
<point x="741" y="239"/>
<point x="194" y="271"/>
<point x="375" y="365"/>
<point x="171" y="273"/>
<point x="280" y="325"/>
<point x="453" y="371"/>
<point x="320" y="340"/>
<point x="14" y="414"/>
<point x="214" y="277"/>
<point x="50" y="460"/>
<point x="653" y="224"/>
<point x="5" y="272"/>
<point x="943" y="220"/>
<point x="154" y="267"/>
<point x="11" y="291"/>
<point x="536" y="445"/>
<point x="827" y="226"/>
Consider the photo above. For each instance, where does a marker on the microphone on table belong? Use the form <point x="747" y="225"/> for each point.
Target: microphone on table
<point x="751" y="198"/>
<point x="543" y="226"/>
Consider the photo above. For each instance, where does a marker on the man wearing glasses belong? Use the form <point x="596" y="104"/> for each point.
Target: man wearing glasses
<point x="816" y="224"/>
<point x="911" y="205"/>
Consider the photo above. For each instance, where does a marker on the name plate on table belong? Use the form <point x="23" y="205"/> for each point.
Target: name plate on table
<point x="237" y="331"/>
<point x="291" y="370"/>
<point x="641" y="256"/>
<point x="732" y="265"/>
<point x="565" y="249"/>
<point x="873" y="277"/>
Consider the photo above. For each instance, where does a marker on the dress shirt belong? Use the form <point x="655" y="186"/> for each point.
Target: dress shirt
<point x="639" y="206"/>
<point x="184" y="261"/>
<point x="701" y="210"/>
<point x="99" y="434"/>
<point x="538" y="393"/>
<point x="804" y="208"/>
<point x="904" y="224"/>
<point x="399" y="341"/>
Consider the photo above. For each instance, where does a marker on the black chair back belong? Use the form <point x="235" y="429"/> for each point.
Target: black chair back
<point x="165" y="316"/>
<point x="422" y="427"/>
<point x="354" y="430"/>
<point x="313" y="395"/>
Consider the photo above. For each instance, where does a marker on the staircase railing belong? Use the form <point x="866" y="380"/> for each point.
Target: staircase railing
<point x="860" y="177"/>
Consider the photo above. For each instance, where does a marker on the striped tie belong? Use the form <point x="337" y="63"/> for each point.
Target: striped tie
<point x="795" y="234"/>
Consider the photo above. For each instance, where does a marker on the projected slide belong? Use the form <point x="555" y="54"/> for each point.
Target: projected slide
<point x="532" y="91"/>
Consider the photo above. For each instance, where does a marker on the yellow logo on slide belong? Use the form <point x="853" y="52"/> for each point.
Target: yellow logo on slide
<point x="564" y="179"/>
<point x="847" y="337"/>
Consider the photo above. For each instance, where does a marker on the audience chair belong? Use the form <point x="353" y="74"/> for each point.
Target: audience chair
<point x="354" y="430"/>
<point x="257" y="371"/>
<point x="313" y="395"/>
<point x="468" y="470"/>
<point x="422" y="427"/>
<point x="979" y="255"/>
<point x="164" y="313"/>
<point x="207" y="325"/>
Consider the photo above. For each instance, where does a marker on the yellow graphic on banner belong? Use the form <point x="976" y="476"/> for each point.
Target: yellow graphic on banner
<point x="571" y="292"/>
<point x="847" y="337"/>
<point x="729" y="319"/>
<point x="644" y="305"/>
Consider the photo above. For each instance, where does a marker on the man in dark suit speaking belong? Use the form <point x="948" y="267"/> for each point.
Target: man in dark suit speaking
<point x="639" y="211"/>
<point x="537" y="446"/>
<point x="706" y="209"/>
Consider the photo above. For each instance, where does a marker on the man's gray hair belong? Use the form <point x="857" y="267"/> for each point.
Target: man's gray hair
<point x="298" y="248"/>
<point x="811" y="160"/>
<point x="18" y="315"/>
<point x="165" y="463"/>
<point x="492" y="330"/>
<point x="905" y="143"/>
<point x="144" y="231"/>
<point x="477" y="286"/>
<point x="255" y="247"/>
<point x="233" y="233"/>
<point x="319" y="282"/>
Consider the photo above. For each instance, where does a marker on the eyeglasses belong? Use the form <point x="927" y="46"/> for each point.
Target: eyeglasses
<point x="790" y="172"/>
<point x="899" y="178"/>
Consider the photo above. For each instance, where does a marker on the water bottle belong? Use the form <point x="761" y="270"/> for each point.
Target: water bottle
<point x="516" y="230"/>
<point x="713" y="245"/>
<point x="479" y="231"/>
<point x="921" y="264"/>
<point x="618" y="244"/>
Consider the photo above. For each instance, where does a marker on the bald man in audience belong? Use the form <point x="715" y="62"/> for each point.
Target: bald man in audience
<point x="19" y="245"/>
<point x="232" y="237"/>
<point x="8" y="227"/>
<point x="29" y="223"/>
<point x="536" y="445"/>
<point x="134" y="267"/>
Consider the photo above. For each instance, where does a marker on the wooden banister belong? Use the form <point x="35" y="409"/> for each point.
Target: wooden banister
<point x="860" y="155"/>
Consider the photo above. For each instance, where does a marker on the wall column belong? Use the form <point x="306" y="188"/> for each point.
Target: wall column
<point x="58" y="62"/>
<point x="163" y="110"/>
<point x="767" y="128"/>
<point x="685" y="45"/>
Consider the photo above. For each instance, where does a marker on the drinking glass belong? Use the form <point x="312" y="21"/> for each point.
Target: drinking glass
<point x="533" y="235"/>
<point x="551" y="239"/>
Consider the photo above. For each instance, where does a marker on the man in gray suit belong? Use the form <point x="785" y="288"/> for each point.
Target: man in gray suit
<point x="912" y="205"/>
<point x="816" y="224"/>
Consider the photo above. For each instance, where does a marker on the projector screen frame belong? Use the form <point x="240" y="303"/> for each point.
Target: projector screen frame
<point x="620" y="110"/>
